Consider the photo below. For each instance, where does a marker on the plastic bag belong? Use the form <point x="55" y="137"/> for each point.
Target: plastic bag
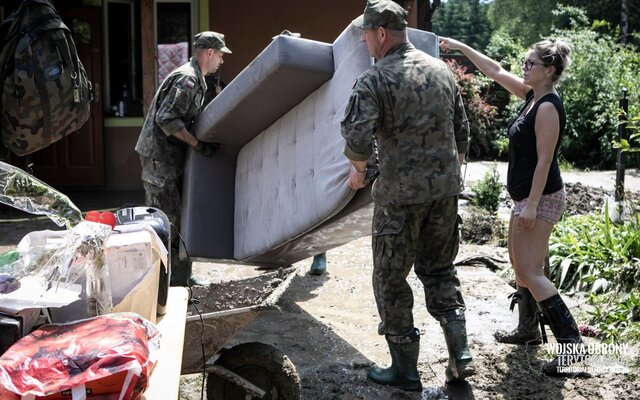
<point x="59" y="258"/>
<point x="118" y="348"/>
<point x="28" y="193"/>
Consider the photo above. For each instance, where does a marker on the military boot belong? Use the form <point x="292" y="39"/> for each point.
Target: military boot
<point x="528" y="331"/>
<point x="566" y="332"/>
<point x="403" y="372"/>
<point x="455" y="334"/>
<point x="319" y="265"/>
<point x="180" y="272"/>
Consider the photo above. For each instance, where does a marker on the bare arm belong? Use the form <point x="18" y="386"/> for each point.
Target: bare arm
<point x="184" y="136"/>
<point x="513" y="83"/>
<point x="547" y="128"/>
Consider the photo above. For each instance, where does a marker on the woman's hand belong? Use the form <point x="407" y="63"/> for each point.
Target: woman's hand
<point x="448" y="44"/>
<point x="527" y="217"/>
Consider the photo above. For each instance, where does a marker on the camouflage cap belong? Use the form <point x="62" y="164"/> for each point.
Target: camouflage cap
<point x="210" y="40"/>
<point x="385" y="13"/>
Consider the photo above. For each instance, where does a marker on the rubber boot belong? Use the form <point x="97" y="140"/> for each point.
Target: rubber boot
<point x="403" y="372"/>
<point x="181" y="274"/>
<point x="319" y="265"/>
<point x="193" y="281"/>
<point x="455" y="334"/>
<point x="527" y="332"/>
<point x="565" y="330"/>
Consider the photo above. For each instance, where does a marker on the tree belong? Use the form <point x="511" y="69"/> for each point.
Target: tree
<point x="525" y="19"/>
<point x="601" y="67"/>
<point x="465" y="20"/>
<point x="531" y="20"/>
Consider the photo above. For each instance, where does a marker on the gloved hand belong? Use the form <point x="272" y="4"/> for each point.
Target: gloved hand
<point x="205" y="148"/>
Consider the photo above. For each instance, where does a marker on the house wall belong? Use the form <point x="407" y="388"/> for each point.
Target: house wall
<point x="122" y="165"/>
<point x="249" y="26"/>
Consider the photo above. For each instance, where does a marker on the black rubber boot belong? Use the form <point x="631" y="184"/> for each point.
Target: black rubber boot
<point x="180" y="272"/>
<point x="565" y="330"/>
<point x="455" y="334"/>
<point x="528" y="331"/>
<point x="403" y="372"/>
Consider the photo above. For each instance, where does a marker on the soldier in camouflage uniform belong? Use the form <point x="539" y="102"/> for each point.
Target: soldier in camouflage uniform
<point x="165" y="137"/>
<point x="410" y="105"/>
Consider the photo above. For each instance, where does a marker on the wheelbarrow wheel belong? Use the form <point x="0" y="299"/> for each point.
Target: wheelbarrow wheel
<point x="261" y="364"/>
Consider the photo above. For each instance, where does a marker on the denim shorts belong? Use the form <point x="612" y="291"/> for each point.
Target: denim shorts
<point x="550" y="207"/>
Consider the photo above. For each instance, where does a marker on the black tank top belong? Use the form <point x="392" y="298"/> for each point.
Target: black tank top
<point x="523" y="156"/>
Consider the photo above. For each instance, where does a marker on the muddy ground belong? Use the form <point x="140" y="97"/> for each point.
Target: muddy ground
<point x="327" y="326"/>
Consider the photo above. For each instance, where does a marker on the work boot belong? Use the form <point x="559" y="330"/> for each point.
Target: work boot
<point x="319" y="265"/>
<point x="403" y="372"/>
<point x="527" y="332"/>
<point x="566" y="332"/>
<point x="181" y="274"/>
<point x="455" y="334"/>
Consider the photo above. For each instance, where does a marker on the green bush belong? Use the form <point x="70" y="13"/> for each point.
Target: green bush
<point x="480" y="114"/>
<point x="590" y="253"/>
<point x="487" y="190"/>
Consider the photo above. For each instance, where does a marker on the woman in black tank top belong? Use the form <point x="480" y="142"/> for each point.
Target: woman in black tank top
<point x="535" y="185"/>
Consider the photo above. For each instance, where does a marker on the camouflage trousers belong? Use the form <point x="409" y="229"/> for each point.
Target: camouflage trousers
<point x="162" y="189"/>
<point x="424" y="236"/>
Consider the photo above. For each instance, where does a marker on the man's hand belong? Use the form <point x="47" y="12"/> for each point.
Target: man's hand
<point x="357" y="178"/>
<point x="205" y="148"/>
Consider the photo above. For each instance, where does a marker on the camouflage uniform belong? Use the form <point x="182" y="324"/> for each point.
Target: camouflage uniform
<point x="176" y="103"/>
<point x="410" y="104"/>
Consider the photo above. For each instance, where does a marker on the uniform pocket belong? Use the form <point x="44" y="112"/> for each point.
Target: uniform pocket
<point x="388" y="220"/>
<point x="153" y="172"/>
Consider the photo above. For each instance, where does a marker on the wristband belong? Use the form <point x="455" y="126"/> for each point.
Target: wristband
<point x="356" y="169"/>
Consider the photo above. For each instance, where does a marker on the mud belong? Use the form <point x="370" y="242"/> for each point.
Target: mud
<point x="327" y="326"/>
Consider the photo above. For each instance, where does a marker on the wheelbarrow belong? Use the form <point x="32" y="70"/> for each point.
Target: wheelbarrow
<point x="248" y="370"/>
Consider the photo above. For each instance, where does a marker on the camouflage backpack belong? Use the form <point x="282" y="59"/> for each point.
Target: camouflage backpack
<point x="45" y="90"/>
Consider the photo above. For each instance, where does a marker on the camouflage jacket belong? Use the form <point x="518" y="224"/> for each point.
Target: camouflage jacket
<point x="176" y="103"/>
<point x="410" y="104"/>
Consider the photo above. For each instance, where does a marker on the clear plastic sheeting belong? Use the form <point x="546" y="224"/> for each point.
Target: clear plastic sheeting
<point x="25" y="192"/>
<point x="59" y="260"/>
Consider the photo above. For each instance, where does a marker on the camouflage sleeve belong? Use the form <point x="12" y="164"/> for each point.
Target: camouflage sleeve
<point x="175" y="105"/>
<point x="360" y="121"/>
<point x="460" y="124"/>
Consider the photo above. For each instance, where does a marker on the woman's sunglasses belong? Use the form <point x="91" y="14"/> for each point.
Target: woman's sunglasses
<point x="527" y="64"/>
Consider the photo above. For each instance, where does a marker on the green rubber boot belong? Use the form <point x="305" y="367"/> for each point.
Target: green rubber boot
<point x="403" y="372"/>
<point x="319" y="265"/>
<point x="455" y="334"/>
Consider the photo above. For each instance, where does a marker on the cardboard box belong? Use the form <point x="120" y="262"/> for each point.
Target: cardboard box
<point x="133" y="256"/>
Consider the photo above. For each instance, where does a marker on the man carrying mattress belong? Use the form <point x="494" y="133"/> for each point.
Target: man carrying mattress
<point x="165" y="137"/>
<point x="409" y="104"/>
